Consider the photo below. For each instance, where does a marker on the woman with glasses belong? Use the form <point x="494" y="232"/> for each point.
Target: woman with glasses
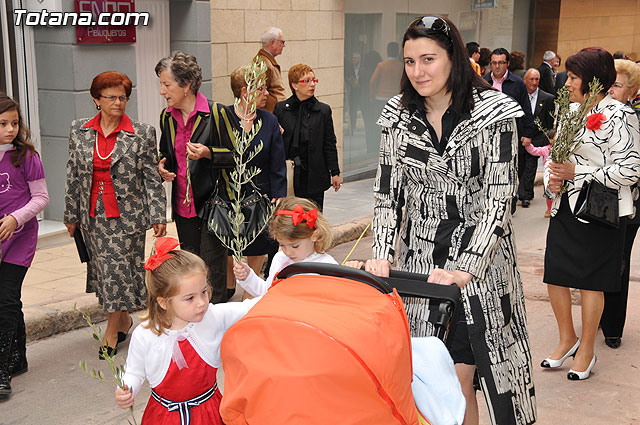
<point x="113" y="195"/>
<point x="272" y="179"/>
<point x="448" y="158"/>
<point x="309" y="138"/>
<point x="192" y="152"/>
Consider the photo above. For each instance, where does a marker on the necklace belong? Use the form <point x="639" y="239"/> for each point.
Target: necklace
<point x="104" y="158"/>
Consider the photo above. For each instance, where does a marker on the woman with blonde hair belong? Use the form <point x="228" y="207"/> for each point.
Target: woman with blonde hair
<point x="272" y="178"/>
<point x="624" y="90"/>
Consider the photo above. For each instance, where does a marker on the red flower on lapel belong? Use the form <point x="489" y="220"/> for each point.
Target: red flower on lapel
<point x="594" y="122"/>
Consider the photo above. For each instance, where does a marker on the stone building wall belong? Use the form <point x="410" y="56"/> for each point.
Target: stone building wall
<point x="314" y="35"/>
<point x="613" y="25"/>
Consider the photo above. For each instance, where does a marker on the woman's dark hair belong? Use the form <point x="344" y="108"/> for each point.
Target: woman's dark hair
<point x="462" y="79"/>
<point x="22" y="142"/>
<point x="517" y="61"/>
<point x="590" y="63"/>
<point x="109" y="79"/>
<point x="485" y="57"/>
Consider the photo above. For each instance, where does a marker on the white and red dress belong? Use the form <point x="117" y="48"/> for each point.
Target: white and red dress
<point x="181" y="367"/>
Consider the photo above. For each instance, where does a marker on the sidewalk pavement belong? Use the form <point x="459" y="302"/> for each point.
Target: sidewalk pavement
<point x="56" y="281"/>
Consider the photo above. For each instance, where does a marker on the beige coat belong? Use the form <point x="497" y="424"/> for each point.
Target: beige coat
<point x="274" y="80"/>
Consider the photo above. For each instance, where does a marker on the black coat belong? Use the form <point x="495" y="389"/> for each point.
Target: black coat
<point x="561" y="79"/>
<point x="203" y="172"/>
<point x="272" y="178"/>
<point x="323" y="154"/>
<point x="514" y="87"/>
<point x="544" y="110"/>
<point x="546" y="78"/>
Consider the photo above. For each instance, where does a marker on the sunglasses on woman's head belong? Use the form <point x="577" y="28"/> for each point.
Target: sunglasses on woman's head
<point x="432" y="23"/>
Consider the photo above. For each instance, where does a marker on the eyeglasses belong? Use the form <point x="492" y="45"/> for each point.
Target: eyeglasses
<point x="498" y="63"/>
<point x="281" y="41"/>
<point x="433" y="23"/>
<point x="113" y="98"/>
<point x="309" y="80"/>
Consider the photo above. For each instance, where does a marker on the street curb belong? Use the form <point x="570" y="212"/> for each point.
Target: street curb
<point x="45" y="321"/>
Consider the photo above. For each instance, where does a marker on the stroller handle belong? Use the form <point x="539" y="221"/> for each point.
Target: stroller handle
<point x="335" y="270"/>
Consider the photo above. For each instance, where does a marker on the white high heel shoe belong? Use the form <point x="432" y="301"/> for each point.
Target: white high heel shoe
<point x="553" y="364"/>
<point x="579" y="376"/>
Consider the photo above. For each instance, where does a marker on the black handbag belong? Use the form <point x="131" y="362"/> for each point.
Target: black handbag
<point x="255" y="207"/>
<point x="598" y="203"/>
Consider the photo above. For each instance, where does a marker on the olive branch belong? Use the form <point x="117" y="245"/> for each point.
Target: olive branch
<point x="242" y="173"/>
<point x="117" y="369"/>
<point x="570" y="122"/>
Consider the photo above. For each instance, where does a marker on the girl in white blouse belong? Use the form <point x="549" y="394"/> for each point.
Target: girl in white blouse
<point x="177" y="347"/>
<point x="303" y="235"/>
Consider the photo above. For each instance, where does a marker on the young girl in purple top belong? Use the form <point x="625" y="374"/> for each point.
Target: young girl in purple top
<point x="23" y="194"/>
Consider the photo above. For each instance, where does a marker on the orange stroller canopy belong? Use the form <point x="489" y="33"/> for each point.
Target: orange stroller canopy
<point x="319" y="350"/>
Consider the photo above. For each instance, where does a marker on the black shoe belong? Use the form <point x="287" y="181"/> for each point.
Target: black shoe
<point x="20" y="367"/>
<point x="526" y="203"/>
<point x="6" y="342"/>
<point x="18" y="357"/>
<point x="111" y="351"/>
<point x="122" y="336"/>
<point x="613" y="342"/>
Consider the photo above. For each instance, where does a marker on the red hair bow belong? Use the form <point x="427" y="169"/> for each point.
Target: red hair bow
<point x="162" y="248"/>
<point x="594" y="122"/>
<point x="298" y="216"/>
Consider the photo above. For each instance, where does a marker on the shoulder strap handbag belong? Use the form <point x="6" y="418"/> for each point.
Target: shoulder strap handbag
<point x="255" y="207"/>
<point x="221" y="157"/>
<point x="598" y="203"/>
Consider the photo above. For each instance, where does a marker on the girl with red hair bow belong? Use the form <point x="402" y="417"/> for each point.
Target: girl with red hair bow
<point x="177" y="346"/>
<point x="303" y="235"/>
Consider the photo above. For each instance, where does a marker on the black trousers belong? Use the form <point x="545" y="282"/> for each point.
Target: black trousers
<point x="317" y="198"/>
<point x="195" y="238"/>
<point x="300" y="186"/>
<point x="527" y="166"/>
<point x="11" y="278"/>
<point x="615" y="303"/>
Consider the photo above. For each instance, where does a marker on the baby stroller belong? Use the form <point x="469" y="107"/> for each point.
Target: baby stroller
<point x="329" y="344"/>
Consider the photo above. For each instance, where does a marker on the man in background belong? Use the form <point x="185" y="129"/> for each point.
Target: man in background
<point x="547" y="77"/>
<point x="473" y="49"/>
<point x="512" y="85"/>
<point x="542" y="106"/>
<point x="385" y="81"/>
<point x="272" y="45"/>
<point x="353" y="91"/>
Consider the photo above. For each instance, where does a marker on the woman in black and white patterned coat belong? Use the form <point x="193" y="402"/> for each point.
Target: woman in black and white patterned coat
<point x="588" y="256"/>
<point x="448" y="155"/>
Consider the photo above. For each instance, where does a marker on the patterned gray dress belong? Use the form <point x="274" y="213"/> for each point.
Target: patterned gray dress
<point x="457" y="217"/>
<point x="116" y="245"/>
